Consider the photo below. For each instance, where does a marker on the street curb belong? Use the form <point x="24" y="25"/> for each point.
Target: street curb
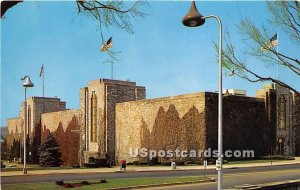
<point x="278" y="184"/>
<point x="128" y="171"/>
<point x="164" y="184"/>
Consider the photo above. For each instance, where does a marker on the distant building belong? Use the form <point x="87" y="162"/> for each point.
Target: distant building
<point x="235" y="92"/>
<point x="36" y="106"/>
<point x="3" y="132"/>
<point x="115" y="116"/>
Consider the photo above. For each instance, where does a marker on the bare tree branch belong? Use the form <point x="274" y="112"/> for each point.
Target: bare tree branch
<point x="112" y="13"/>
<point x="286" y="15"/>
<point x="229" y="58"/>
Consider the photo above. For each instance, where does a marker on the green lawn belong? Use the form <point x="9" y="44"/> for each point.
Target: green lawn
<point x="253" y="161"/>
<point x="112" y="183"/>
<point x="30" y="167"/>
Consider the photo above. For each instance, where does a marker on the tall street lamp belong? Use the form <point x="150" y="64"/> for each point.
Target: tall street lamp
<point x="27" y="84"/>
<point x="194" y="19"/>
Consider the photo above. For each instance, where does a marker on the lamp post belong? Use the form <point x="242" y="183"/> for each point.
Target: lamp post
<point x="27" y="84"/>
<point x="194" y="19"/>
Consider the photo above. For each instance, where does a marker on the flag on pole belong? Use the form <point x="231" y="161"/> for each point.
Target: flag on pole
<point x="42" y="70"/>
<point x="272" y="43"/>
<point x="274" y="40"/>
<point x="107" y="45"/>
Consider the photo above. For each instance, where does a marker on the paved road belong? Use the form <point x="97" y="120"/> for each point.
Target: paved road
<point x="239" y="178"/>
<point x="232" y="176"/>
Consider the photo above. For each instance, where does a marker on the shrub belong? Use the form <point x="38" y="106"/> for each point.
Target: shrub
<point x="179" y="163"/>
<point x="198" y="162"/>
<point x="60" y="182"/>
<point x="139" y="163"/>
<point x="68" y="185"/>
<point x="278" y="157"/>
<point x="189" y="162"/>
<point x="101" y="162"/>
<point x="166" y="163"/>
<point x="90" y="165"/>
<point x="153" y="162"/>
<point x="91" y="160"/>
<point x="85" y="183"/>
<point x="135" y="162"/>
<point x="103" y="181"/>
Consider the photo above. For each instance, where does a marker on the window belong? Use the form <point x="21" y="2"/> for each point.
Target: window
<point x="28" y="120"/>
<point x="93" y="117"/>
<point x="282" y="112"/>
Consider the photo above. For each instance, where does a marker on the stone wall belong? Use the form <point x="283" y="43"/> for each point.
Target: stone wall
<point x="117" y="94"/>
<point x="244" y="123"/>
<point x="269" y="96"/>
<point x="35" y="107"/>
<point x="296" y="118"/>
<point x="65" y="125"/>
<point x="284" y="118"/>
<point x="285" y="133"/>
<point x="107" y="93"/>
<point x="14" y="130"/>
<point x="190" y="122"/>
<point x="160" y="124"/>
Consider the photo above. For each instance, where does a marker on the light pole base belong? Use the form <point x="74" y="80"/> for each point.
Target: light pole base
<point x="24" y="171"/>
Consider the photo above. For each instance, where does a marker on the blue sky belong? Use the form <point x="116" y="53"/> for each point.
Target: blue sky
<point x="162" y="55"/>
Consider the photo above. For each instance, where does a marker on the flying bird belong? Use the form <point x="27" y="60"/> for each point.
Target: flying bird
<point x="107" y="45"/>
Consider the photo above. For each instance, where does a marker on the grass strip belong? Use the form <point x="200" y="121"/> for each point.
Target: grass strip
<point x="112" y="183"/>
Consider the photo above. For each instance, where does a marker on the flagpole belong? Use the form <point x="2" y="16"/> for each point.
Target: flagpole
<point x="277" y="49"/>
<point x="112" y="70"/>
<point x="43" y="82"/>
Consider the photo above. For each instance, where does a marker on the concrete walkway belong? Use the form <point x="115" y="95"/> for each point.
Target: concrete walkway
<point x="143" y="168"/>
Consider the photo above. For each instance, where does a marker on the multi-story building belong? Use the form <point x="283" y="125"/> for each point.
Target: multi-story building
<point x="36" y="106"/>
<point x="115" y="116"/>
<point x="283" y="107"/>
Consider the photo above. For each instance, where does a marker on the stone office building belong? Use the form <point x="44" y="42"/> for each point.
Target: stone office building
<point x="283" y="108"/>
<point x="115" y="116"/>
<point x="36" y="106"/>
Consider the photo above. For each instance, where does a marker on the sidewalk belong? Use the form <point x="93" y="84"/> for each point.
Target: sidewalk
<point x="144" y="168"/>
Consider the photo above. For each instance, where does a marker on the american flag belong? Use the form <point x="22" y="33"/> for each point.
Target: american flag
<point x="272" y="43"/>
<point x="42" y="70"/>
<point x="107" y="45"/>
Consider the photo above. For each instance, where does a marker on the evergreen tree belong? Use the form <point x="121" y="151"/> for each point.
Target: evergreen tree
<point x="28" y="149"/>
<point x="11" y="151"/>
<point x="14" y="151"/>
<point x="49" y="153"/>
<point x="17" y="149"/>
<point x="4" y="149"/>
<point x="34" y="148"/>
